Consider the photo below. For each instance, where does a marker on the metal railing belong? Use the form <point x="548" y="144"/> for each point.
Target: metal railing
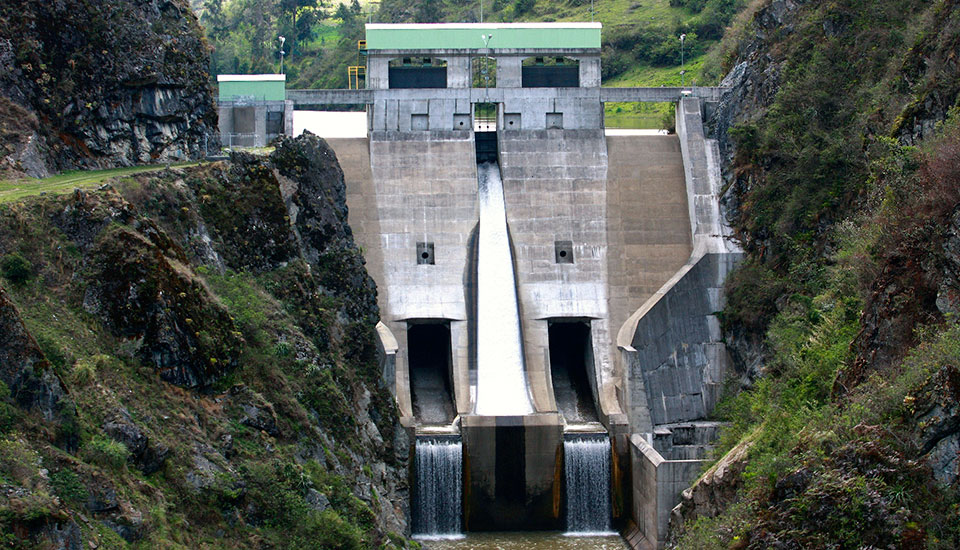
<point x="218" y="145"/>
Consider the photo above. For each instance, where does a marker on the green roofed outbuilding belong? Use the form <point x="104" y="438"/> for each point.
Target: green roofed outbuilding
<point x="253" y="109"/>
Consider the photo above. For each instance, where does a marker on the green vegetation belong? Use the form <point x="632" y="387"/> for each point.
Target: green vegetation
<point x="105" y="452"/>
<point x="16" y="268"/>
<point x="320" y="42"/>
<point x="15" y="190"/>
<point x="276" y="445"/>
<point x="843" y="226"/>
<point x="640" y="39"/>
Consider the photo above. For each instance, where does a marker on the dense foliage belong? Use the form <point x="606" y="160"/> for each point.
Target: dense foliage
<point x="319" y="42"/>
<point x="846" y="178"/>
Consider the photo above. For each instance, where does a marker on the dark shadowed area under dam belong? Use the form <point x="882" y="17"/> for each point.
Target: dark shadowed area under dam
<point x="529" y="540"/>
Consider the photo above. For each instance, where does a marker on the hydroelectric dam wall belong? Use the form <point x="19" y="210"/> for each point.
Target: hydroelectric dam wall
<point x="618" y="251"/>
<point x="626" y="208"/>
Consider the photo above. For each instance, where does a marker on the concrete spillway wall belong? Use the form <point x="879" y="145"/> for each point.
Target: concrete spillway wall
<point x="403" y="190"/>
<point x="554" y="184"/>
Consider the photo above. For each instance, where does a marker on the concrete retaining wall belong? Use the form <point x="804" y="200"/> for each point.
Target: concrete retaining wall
<point x="671" y="350"/>
<point x="676" y="357"/>
<point x="657" y="485"/>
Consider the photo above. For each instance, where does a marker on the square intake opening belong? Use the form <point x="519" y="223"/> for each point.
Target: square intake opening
<point x="425" y="254"/>
<point x="419" y="122"/>
<point x="554" y="120"/>
<point x="511" y="121"/>
<point x="563" y="251"/>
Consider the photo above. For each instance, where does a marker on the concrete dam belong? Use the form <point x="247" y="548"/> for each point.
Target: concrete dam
<point x="548" y="289"/>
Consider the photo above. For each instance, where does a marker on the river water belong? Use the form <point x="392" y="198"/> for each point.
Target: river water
<point x="528" y="540"/>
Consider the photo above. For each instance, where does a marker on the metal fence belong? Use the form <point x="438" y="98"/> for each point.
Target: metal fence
<point x="217" y="144"/>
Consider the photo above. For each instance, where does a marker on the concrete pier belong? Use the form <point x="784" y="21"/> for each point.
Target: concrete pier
<point x="513" y="472"/>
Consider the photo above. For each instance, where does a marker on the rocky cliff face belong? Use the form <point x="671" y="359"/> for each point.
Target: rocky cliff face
<point x="213" y="328"/>
<point x="101" y="84"/>
<point x="841" y="139"/>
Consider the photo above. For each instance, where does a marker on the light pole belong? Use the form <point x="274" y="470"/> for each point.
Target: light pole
<point x="282" y="40"/>
<point x="682" y="70"/>
<point x="481" y="11"/>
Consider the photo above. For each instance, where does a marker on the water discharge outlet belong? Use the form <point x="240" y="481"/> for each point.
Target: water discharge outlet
<point x="438" y="487"/>
<point x="501" y="380"/>
<point x="587" y="473"/>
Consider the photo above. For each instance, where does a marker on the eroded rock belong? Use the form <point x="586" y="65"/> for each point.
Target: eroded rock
<point x="143" y="294"/>
<point x="24" y="369"/>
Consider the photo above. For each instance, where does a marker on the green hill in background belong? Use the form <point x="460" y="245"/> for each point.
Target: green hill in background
<point x="641" y="45"/>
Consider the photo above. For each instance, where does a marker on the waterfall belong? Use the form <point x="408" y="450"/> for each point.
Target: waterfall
<point x="587" y="470"/>
<point x="436" y="507"/>
<point x="501" y="381"/>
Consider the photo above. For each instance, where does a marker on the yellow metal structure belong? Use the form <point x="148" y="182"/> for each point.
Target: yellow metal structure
<point x="354" y="74"/>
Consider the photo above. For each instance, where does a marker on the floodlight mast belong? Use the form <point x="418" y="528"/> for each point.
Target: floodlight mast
<point x="682" y="68"/>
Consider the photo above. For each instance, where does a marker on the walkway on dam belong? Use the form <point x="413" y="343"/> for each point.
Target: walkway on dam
<point x="307" y="98"/>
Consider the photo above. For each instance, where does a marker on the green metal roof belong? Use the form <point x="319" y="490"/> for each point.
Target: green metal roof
<point x="257" y="87"/>
<point x="470" y="36"/>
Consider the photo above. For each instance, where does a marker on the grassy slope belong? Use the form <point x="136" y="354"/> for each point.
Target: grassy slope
<point x="18" y="189"/>
<point x="828" y="205"/>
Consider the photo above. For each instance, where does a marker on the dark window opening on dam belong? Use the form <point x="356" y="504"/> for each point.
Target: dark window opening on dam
<point x="486" y="144"/>
<point x="425" y="254"/>
<point x="550" y="72"/>
<point x="430" y="361"/>
<point x="571" y="367"/>
<point x="417" y="72"/>
<point x="563" y="251"/>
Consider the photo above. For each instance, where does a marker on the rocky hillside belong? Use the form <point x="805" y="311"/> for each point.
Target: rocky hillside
<point x="841" y="135"/>
<point x="101" y="84"/>
<point x="189" y="360"/>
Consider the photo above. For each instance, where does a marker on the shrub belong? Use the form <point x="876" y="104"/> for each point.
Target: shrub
<point x="85" y="369"/>
<point x="16" y="268"/>
<point x="105" y="452"/>
<point x="67" y="486"/>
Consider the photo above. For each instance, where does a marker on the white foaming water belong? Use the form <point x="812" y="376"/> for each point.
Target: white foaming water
<point x="587" y="465"/>
<point x="501" y="382"/>
<point x="436" y="513"/>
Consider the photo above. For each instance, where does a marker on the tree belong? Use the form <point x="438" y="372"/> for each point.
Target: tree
<point x="521" y="7"/>
<point x="427" y="11"/>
